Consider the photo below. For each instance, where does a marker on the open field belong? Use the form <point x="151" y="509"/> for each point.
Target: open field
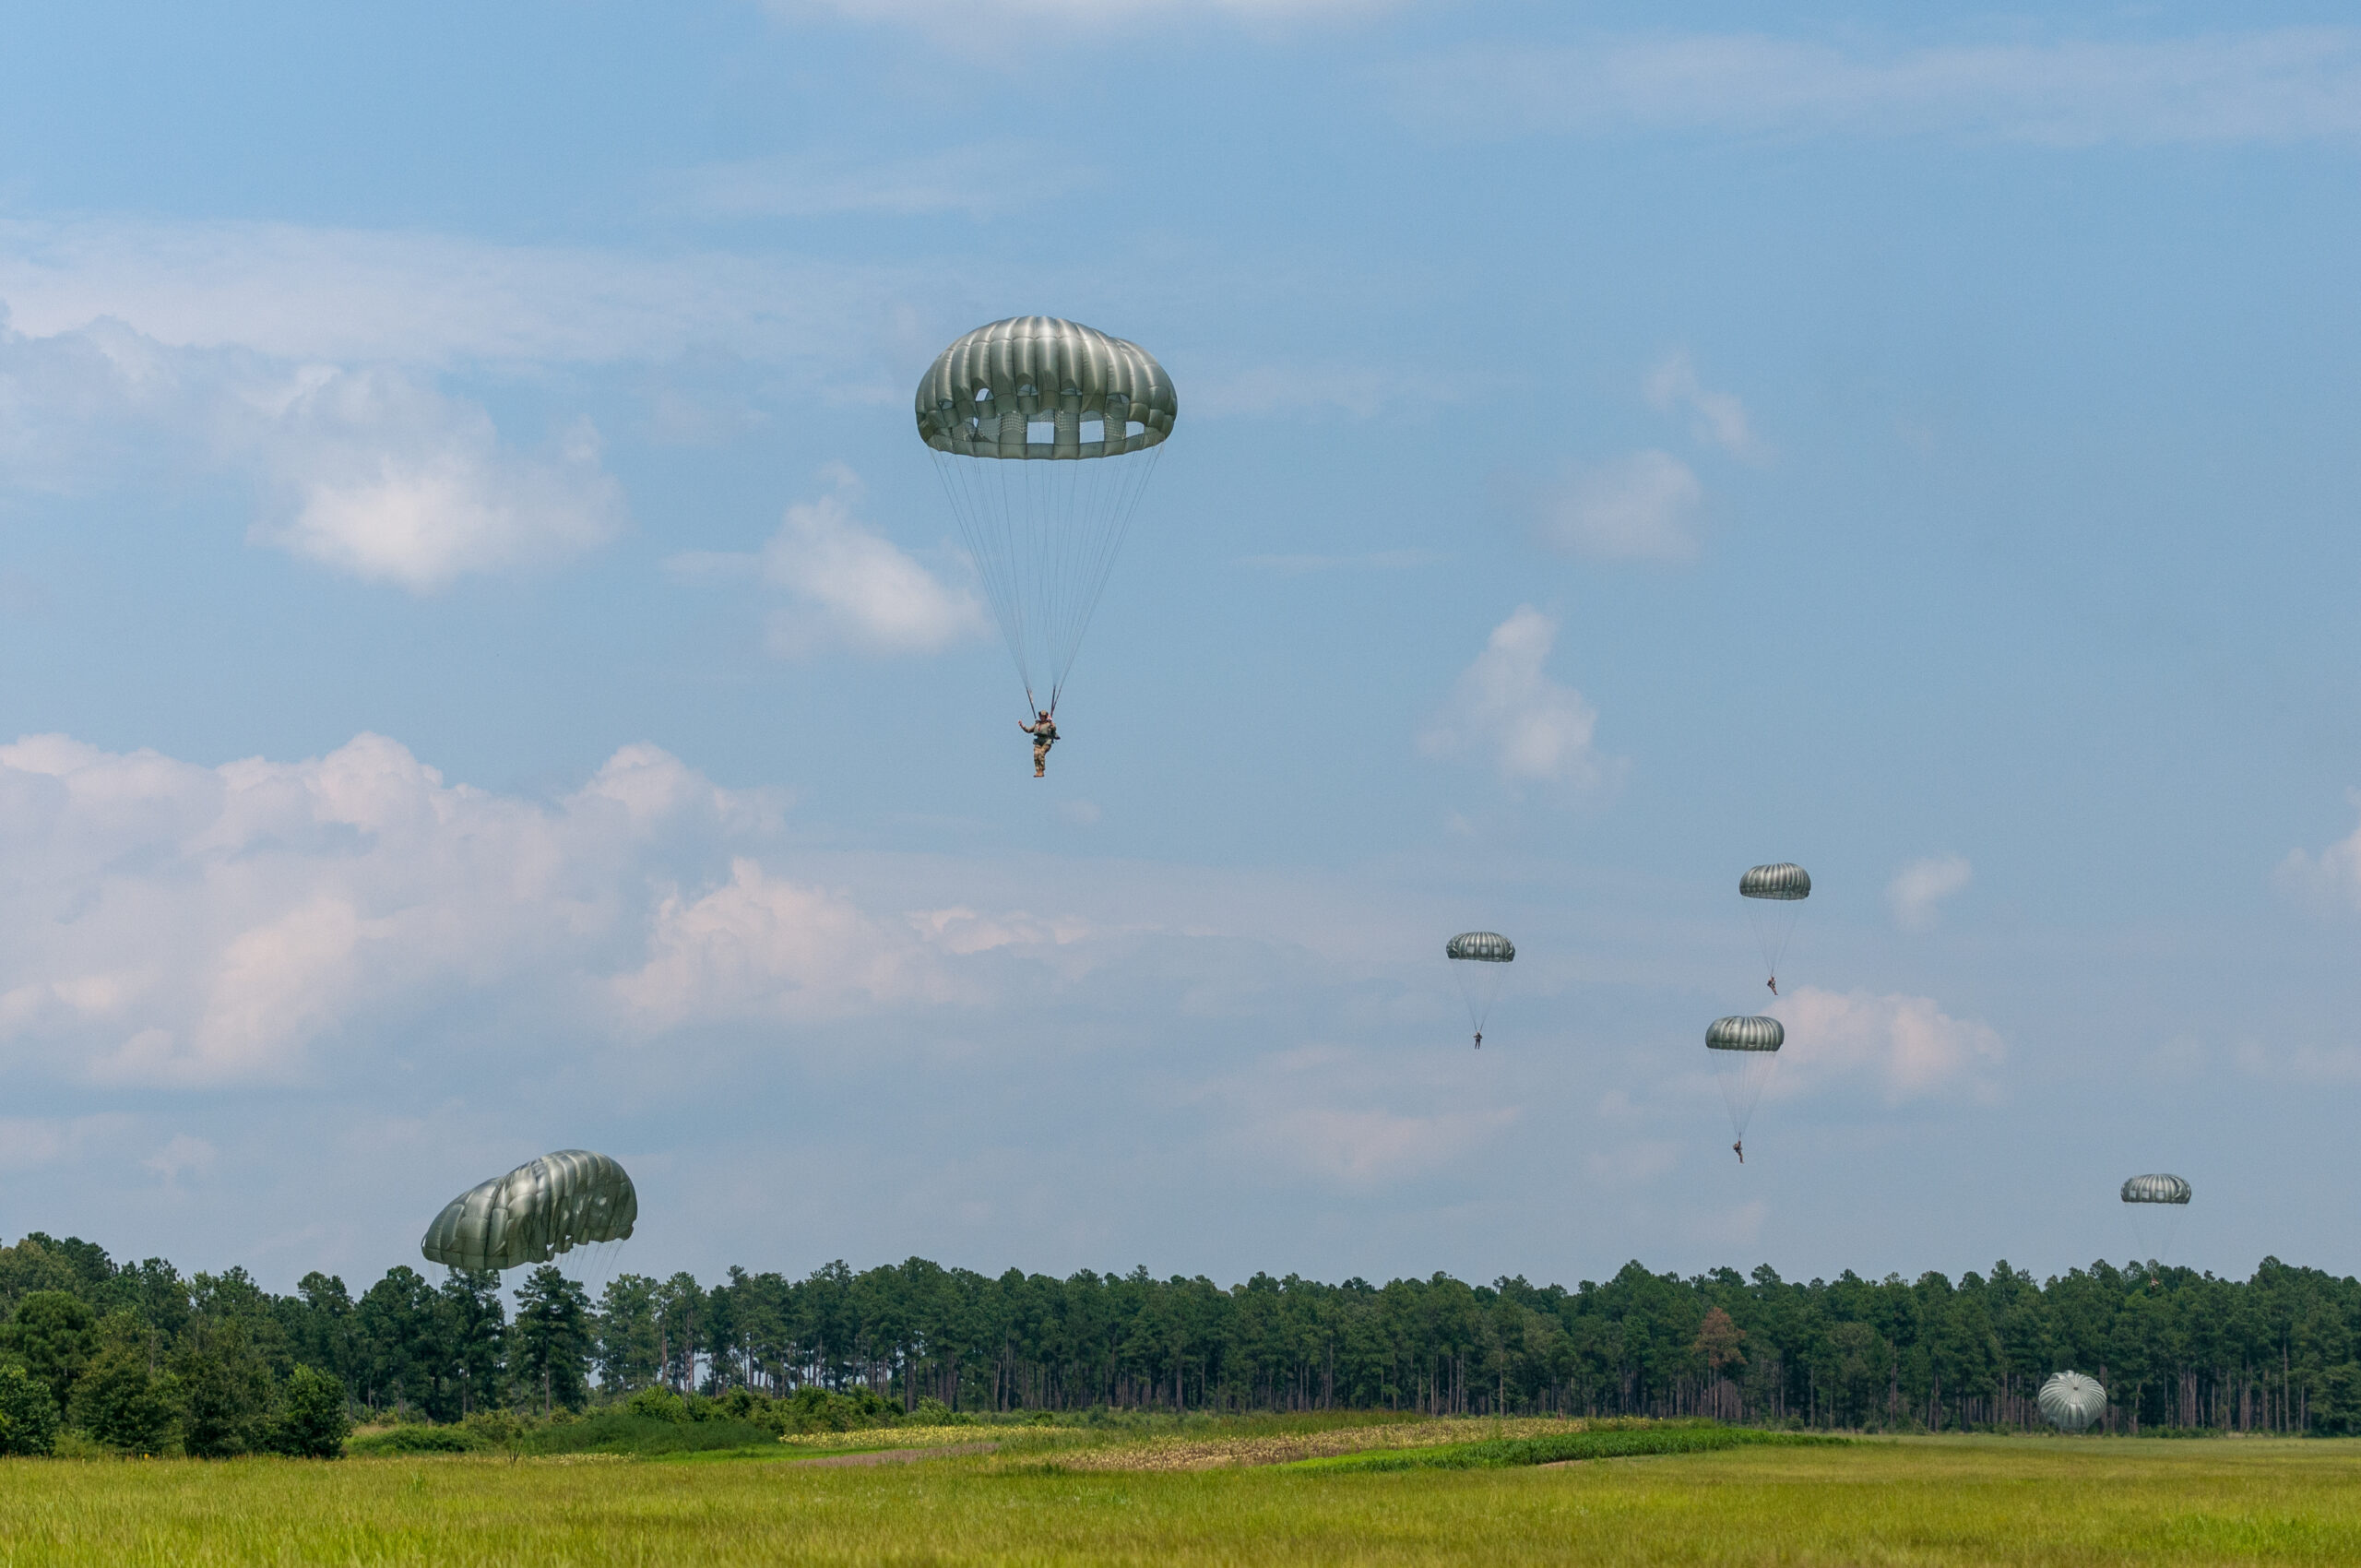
<point x="1878" y="1500"/>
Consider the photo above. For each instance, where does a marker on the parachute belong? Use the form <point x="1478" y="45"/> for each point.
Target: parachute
<point x="2155" y="1205"/>
<point x="549" y="1205"/>
<point x="1481" y="960"/>
<point x="1045" y="433"/>
<point x="2070" y="1402"/>
<point x="1774" y="892"/>
<point x="1745" y="1050"/>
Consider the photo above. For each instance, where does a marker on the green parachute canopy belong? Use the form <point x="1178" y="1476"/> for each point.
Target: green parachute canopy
<point x="549" y="1205"/>
<point x="2070" y="1402"/>
<point x="1044" y="434"/>
<point x="1745" y="1050"/>
<point x="1783" y="879"/>
<point x="1480" y="947"/>
<point x="1775" y="895"/>
<point x="1745" y="1034"/>
<point x="2157" y="1189"/>
<point x="1479" y="961"/>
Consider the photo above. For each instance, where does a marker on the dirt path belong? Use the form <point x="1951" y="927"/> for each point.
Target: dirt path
<point x="901" y="1456"/>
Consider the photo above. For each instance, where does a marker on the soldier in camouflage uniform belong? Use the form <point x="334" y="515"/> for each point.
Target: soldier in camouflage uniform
<point x="1044" y="731"/>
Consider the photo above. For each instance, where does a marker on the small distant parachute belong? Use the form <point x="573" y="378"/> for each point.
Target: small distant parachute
<point x="1745" y="1050"/>
<point x="552" y="1205"/>
<point x="2070" y="1402"/>
<point x="2155" y="1205"/>
<point x="1772" y="893"/>
<point x="2157" y="1189"/>
<point x="1481" y="960"/>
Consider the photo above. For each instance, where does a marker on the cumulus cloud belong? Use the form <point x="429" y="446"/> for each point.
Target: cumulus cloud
<point x="847" y="585"/>
<point x="2281" y="85"/>
<point x="1333" y="1115"/>
<point x="1906" y="1045"/>
<point x="1721" y="417"/>
<point x="1919" y="888"/>
<point x="369" y="473"/>
<point x="389" y="481"/>
<point x="1537" y="730"/>
<point x="168" y="923"/>
<point x="2330" y="879"/>
<point x="759" y="948"/>
<point x="1642" y="506"/>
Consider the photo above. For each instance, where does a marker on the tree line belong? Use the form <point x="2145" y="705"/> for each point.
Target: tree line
<point x="129" y="1351"/>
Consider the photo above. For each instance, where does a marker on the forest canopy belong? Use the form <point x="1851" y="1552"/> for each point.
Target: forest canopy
<point x="2176" y="1349"/>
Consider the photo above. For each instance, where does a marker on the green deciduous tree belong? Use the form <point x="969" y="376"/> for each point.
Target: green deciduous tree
<point x="28" y="1414"/>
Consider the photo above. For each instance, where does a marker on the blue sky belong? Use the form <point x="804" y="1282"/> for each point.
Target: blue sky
<point x="495" y="672"/>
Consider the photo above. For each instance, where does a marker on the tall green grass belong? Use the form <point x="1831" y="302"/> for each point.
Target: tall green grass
<point x="1558" y="1447"/>
<point x="1925" y="1503"/>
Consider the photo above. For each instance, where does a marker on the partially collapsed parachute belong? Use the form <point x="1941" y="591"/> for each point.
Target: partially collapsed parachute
<point x="2070" y="1402"/>
<point x="1045" y="433"/>
<point x="1745" y="1050"/>
<point x="1774" y="892"/>
<point x="2157" y="1189"/>
<point x="1479" y="959"/>
<point x="554" y="1204"/>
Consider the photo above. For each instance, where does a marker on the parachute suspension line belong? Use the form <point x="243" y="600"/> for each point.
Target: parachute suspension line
<point x="1118" y="494"/>
<point x="988" y="528"/>
<point x="1046" y="540"/>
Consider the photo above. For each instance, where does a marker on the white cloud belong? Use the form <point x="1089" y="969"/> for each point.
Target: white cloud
<point x="2330" y="880"/>
<point x="170" y="924"/>
<point x="393" y="297"/>
<point x="183" y="1156"/>
<point x="1362" y="1149"/>
<point x="1919" y="887"/>
<point x="847" y="585"/>
<point x="390" y="481"/>
<point x="983" y="181"/>
<point x="761" y="948"/>
<point x="369" y="472"/>
<point x="1721" y="417"/>
<point x="1907" y="1045"/>
<point x="1538" y="731"/>
<point x="1640" y="508"/>
<point x="2289" y="84"/>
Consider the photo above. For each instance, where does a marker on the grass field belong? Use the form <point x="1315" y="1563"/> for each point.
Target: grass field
<point x="1906" y="1501"/>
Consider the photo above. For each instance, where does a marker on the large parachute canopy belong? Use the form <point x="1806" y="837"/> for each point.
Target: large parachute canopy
<point x="544" y="1208"/>
<point x="1479" y="959"/>
<point x="1745" y="1050"/>
<point x="1774" y="894"/>
<point x="2070" y="1402"/>
<point x="1045" y="433"/>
